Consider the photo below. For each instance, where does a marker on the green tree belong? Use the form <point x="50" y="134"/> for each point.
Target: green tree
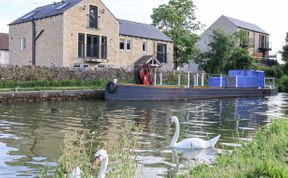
<point x="178" y="21"/>
<point x="225" y="53"/>
<point x="284" y="51"/>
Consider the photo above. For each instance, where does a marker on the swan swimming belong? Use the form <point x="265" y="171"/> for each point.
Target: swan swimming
<point x="189" y="142"/>
<point x="100" y="156"/>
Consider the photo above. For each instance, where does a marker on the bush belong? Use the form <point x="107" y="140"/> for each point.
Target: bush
<point x="283" y="84"/>
<point x="274" y="71"/>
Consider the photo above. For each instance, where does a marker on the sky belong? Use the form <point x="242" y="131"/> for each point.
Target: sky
<point x="270" y="15"/>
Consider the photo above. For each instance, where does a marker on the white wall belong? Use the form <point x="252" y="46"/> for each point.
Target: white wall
<point x="4" y="57"/>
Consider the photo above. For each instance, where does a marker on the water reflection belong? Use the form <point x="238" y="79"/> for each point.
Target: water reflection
<point x="31" y="135"/>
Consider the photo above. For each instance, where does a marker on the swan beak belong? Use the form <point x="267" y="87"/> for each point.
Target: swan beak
<point x="96" y="162"/>
<point x="169" y="123"/>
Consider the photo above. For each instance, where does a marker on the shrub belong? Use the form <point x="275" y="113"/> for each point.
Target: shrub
<point x="283" y="84"/>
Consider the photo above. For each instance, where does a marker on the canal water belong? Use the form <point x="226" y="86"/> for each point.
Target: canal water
<point x="31" y="135"/>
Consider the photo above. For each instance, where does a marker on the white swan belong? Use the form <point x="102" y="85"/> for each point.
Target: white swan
<point x="189" y="142"/>
<point x="101" y="156"/>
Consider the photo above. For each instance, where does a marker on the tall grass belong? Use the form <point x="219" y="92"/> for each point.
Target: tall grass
<point x="266" y="156"/>
<point x="79" y="150"/>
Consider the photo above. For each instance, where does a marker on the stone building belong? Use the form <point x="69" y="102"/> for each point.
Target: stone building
<point x="84" y="33"/>
<point x="4" y="48"/>
<point x="258" y="39"/>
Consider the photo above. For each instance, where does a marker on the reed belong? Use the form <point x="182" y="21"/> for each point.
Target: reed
<point x="79" y="150"/>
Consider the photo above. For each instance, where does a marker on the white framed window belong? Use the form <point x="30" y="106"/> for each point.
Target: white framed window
<point x="144" y="46"/>
<point x="22" y="43"/>
<point x="128" y="45"/>
<point x="122" y="44"/>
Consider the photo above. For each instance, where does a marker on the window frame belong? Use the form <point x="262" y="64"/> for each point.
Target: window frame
<point x="104" y="47"/>
<point x="22" y="43"/>
<point x="93" y="44"/>
<point x="93" y="21"/>
<point x="81" y="52"/>
<point x="144" y="47"/>
<point x="130" y="45"/>
<point x="122" y="40"/>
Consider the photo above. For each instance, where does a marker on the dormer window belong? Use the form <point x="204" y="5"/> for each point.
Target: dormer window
<point x="93" y="17"/>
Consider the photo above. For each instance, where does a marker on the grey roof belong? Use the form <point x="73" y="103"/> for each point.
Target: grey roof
<point x="246" y="25"/>
<point x="148" y="59"/>
<point x="141" y="30"/>
<point x="46" y="11"/>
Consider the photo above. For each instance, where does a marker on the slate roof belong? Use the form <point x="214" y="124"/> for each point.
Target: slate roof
<point x="141" y="30"/>
<point x="246" y="25"/>
<point x="148" y="59"/>
<point x="4" y="41"/>
<point x="46" y="11"/>
<point x="127" y="28"/>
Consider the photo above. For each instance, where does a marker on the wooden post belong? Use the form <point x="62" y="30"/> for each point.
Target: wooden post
<point x="202" y="79"/>
<point x="221" y="80"/>
<point x="161" y="79"/>
<point x="155" y="78"/>
<point x="197" y="79"/>
<point x="188" y="84"/>
<point x="236" y="78"/>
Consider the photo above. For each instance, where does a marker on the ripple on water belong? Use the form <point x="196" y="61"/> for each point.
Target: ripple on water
<point x="31" y="136"/>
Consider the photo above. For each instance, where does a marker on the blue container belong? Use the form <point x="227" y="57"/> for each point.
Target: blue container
<point x="215" y="82"/>
<point x="248" y="78"/>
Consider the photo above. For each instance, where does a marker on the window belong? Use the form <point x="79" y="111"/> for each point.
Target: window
<point x="81" y="43"/>
<point x="93" y="17"/>
<point x="93" y="46"/>
<point x="122" y="44"/>
<point x="22" y="43"/>
<point x="162" y="53"/>
<point x="144" y="47"/>
<point x="104" y="47"/>
<point x="263" y="42"/>
<point x="128" y="45"/>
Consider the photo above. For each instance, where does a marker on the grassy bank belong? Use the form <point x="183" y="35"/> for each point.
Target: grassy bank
<point x="80" y="147"/>
<point x="266" y="156"/>
<point x="52" y="85"/>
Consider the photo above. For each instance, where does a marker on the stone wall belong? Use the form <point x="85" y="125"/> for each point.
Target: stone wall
<point x="29" y="73"/>
<point x="56" y="95"/>
<point x="49" y="45"/>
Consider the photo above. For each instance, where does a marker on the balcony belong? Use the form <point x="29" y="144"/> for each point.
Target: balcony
<point x="95" y="60"/>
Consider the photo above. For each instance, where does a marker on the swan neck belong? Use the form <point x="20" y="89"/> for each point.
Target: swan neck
<point x="103" y="168"/>
<point x="176" y="134"/>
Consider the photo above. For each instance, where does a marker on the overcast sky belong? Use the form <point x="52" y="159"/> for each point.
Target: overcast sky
<point x="270" y="15"/>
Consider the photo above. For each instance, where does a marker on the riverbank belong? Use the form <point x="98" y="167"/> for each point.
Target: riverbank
<point x="50" y="95"/>
<point x="266" y="156"/>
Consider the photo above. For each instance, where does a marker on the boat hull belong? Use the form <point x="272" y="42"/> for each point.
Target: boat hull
<point x="166" y="93"/>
